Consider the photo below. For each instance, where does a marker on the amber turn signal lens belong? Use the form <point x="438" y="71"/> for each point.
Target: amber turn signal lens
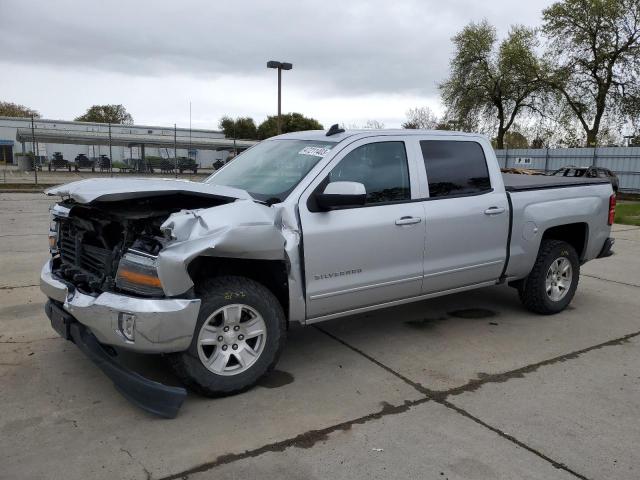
<point x="139" y="278"/>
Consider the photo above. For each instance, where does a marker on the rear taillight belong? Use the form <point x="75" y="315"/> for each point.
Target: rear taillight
<point x="612" y="208"/>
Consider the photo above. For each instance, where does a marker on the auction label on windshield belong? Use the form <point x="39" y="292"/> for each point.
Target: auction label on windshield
<point x="315" y="151"/>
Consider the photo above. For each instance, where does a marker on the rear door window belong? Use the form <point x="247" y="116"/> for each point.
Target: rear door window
<point x="455" y="168"/>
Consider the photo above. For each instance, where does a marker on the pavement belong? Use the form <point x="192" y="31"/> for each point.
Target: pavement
<point x="468" y="386"/>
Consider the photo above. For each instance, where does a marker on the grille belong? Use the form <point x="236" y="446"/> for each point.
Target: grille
<point x="81" y="262"/>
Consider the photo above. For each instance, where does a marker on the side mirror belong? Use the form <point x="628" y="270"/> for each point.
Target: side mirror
<point x="342" y="194"/>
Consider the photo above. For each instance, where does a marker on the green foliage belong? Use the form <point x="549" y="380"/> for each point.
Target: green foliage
<point x="491" y="80"/>
<point x="291" y="122"/>
<point x="116" y="114"/>
<point x="9" y="109"/>
<point x="242" y="127"/>
<point x="595" y="51"/>
<point x="628" y="213"/>
<point x="515" y="140"/>
<point x="119" y="165"/>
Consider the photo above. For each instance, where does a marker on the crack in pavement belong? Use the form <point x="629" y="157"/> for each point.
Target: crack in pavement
<point x="474" y="384"/>
<point x="304" y="440"/>
<point x="19" y="286"/>
<point x="310" y="438"/>
<point x="440" y="396"/>
<point x="25" y="235"/>
<point x="607" y="280"/>
<point x="511" y="438"/>
<point x="147" y="472"/>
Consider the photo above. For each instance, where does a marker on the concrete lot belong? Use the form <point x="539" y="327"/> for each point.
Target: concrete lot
<point x="467" y="386"/>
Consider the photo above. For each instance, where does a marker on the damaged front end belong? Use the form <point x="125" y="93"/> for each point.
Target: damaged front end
<point x="114" y="246"/>
<point x="119" y="273"/>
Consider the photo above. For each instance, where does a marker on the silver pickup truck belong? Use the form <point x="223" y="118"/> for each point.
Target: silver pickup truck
<point x="303" y="227"/>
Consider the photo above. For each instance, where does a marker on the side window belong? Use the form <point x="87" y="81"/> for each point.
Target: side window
<point x="381" y="167"/>
<point x="455" y="168"/>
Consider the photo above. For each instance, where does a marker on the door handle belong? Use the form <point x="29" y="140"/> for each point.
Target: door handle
<point x="494" y="211"/>
<point x="408" y="220"/>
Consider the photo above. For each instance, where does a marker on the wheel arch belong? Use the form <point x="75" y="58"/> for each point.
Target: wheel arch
<point x="575" y="234"/>
<point x="273" y="274"/>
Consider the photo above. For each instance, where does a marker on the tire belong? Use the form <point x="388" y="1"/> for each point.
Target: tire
<point x="534" y="292"/>
<point x="220" y="296"/>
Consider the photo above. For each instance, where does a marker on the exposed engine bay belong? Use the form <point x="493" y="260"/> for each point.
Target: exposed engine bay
<point x="88" y="241"/>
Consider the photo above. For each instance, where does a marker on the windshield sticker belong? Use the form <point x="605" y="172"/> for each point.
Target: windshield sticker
<point x="314" y="151"/>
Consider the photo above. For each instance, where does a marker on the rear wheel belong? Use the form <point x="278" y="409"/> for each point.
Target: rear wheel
<point x="553" y="281"/>
<point x="240" y="333"/>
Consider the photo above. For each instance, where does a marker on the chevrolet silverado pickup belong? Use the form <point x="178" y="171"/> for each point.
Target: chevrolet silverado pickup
<point x="303" y="227"/>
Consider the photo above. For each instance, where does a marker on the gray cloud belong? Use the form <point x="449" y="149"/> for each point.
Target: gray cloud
<point x="348" y="47"/>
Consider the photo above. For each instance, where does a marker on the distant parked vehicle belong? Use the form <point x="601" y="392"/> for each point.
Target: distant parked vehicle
<point x="218" y="164"/>
<point x="165" y="165"/>
<point x="58" y="162"/>
<point x="104" y="163"/>
<point x="588" y="172"/>
<point x="82" y="161"/>
<point x="185" y="163"/>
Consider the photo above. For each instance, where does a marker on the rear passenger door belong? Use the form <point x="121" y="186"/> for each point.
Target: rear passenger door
<point x="467" y="215"/>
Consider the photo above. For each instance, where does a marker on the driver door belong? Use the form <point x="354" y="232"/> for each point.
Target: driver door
<point x="364" y="255"/>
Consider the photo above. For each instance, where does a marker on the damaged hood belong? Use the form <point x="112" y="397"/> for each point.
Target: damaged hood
<point x="114" y="189"/>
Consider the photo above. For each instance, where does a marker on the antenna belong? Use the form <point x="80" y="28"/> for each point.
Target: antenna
<point x="335" y="129"/>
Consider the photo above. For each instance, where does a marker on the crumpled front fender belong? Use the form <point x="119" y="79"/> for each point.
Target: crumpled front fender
<point x="242" y="229"/>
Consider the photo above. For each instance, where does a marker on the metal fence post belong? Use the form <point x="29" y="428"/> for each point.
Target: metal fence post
<point x="110" y="151"/>
<point x="546" y="160"/>
<point x="35" y="150"/>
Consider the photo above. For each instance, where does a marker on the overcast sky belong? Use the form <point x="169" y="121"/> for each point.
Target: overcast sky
<point x="353" y="60"/>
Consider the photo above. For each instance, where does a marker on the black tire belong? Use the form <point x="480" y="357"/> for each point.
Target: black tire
<point x="216" y="293"/>
<point x="532" y="290"/>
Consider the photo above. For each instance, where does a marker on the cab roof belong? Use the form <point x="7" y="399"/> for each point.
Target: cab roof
<point x="321" y="135"/>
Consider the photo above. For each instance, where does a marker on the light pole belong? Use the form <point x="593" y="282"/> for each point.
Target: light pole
<point x="280" y="66"/>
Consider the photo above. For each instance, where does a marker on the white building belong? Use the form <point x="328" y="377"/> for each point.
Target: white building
<point x="120" y="142"/>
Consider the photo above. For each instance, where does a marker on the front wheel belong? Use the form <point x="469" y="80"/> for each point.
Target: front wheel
<point x="240" y="332"/>
<point x="553" y="281"/>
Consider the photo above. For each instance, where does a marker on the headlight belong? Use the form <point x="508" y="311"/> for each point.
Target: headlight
<point x="138" y="273"/>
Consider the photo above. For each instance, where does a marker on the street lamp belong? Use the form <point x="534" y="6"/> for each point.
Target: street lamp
<point x="280" y="66"/>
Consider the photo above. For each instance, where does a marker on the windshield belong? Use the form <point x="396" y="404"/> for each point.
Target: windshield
<point x="271" y="170"/>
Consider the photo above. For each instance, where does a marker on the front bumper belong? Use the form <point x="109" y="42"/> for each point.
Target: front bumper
<point x="151" y="396"/>
<point x="161" y="325"/>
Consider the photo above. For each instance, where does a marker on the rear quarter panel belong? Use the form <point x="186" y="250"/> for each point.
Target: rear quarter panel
<point x="536" y="211"/>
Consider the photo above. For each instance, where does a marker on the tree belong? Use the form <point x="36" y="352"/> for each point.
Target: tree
<point x="291" y="122"/>
<point x="373" y="125"/>
<point x="489" y="80"/>
<point x="595" y="49"/>
<point x="515" y="140"/>
<point x="106" y="114"/>
<point x="421" y="118"/>
<point x="241" y="127"/>
<point x="9" y="109"/>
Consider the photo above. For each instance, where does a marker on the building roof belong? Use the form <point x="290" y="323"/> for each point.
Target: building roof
<point x="99" y="124"/>
<point x="78" y="137"/>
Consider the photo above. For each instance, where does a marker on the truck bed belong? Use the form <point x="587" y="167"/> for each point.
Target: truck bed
<point x="517" y="183"/>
